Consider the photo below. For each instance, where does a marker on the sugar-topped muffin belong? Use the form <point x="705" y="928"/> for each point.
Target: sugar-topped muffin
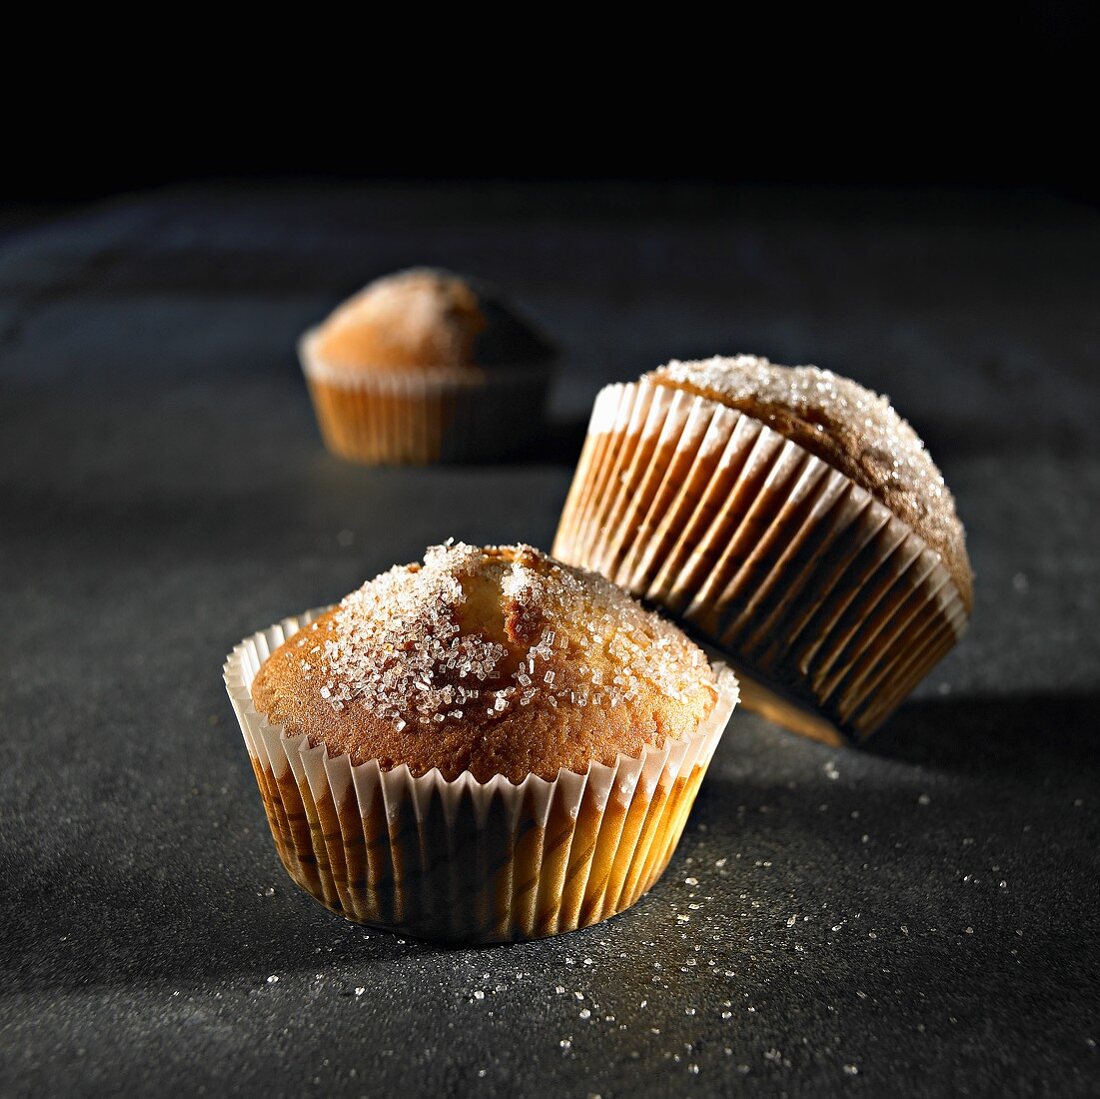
<point x="426" y="365"/>
<point x="496" y="661"/>
<point x="792" y="517"/>
<point x="851" y="428"/>
<point x="487" y="746"/>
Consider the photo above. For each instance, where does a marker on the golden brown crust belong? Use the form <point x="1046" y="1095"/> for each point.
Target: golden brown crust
<point x="496" y="661"/>
<point x="425" y="319"/>
<point x="851" y="428"/>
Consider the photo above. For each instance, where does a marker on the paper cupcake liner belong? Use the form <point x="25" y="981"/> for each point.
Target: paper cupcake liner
<point x="442" y="415"/>
<point x="465" y="860"/>
<point x="814" y="588"/>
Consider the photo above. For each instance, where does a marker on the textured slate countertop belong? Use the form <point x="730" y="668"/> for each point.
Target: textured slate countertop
<point x="918" y="918"/>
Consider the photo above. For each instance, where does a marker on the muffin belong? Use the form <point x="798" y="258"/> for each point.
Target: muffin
<point x="485" y="747"/>
<point x="426" y="366"/>
<point x="788" y="516"/>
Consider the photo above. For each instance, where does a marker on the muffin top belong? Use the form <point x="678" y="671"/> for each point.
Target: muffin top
<point x="497" y="660"/>
<point x="424" y="319"/>
<point x="853" y="429"/>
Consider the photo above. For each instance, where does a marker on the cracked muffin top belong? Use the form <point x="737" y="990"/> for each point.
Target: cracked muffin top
<point x="850" y="428"/>
<point x="496" y="660"/>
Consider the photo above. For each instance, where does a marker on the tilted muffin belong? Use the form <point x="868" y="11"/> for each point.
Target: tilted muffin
<point x="487" y="746"/>
<point x="424" y="366"/>
<point x="791" y="517"/>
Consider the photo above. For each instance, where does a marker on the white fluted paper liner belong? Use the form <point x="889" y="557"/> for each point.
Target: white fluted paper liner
<point x="388" y="417"/>
<point x="809" y="583"/>
<point x="467" y="860"/>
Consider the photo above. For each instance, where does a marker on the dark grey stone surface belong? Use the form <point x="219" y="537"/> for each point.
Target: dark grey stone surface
<point x="918" y="918"/>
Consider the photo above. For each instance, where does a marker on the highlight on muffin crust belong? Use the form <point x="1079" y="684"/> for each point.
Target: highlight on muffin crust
<point x="789" y="516"/>
<point x="538" y="734"/>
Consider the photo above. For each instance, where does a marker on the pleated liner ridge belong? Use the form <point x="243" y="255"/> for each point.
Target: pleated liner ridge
<point x="799" y="574"/>
<point x="464" y="860"/>
<point x="395" y="417"/>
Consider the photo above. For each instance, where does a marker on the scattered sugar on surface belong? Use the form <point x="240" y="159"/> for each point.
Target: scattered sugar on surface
<point x="713" y="994"/>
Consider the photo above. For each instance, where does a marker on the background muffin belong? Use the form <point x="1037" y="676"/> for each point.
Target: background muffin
<point x="789" y="515"/>
<point x="425" y="366"/>
<point x="501" y="746"/>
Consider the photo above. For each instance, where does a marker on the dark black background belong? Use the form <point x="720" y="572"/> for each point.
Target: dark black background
<point x="907" y="197"/>
<point x="929" y="94"/>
